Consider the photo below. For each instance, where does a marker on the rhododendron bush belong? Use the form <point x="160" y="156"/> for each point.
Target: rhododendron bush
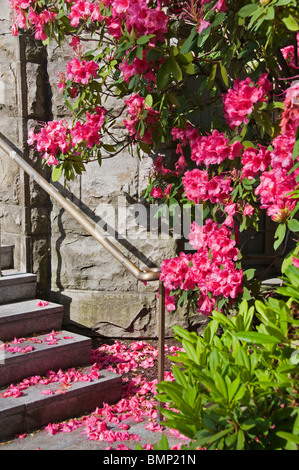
<point x="213" y="80"/>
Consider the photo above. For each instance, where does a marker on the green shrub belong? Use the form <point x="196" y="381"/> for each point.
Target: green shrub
<point x="236" y="386"/>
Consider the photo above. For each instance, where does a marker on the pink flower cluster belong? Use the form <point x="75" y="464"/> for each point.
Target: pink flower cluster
<point x="276" y="183"/>
<point x="199" y="187"/>
<point x="24" y="14"/>
<point x="53" y="139"/>
<point x="239" y="101"/>
<point x="138" y="67"/>
<point x="80" y="71"/>
<point x="89" y="131"/>
<point x="255" y="161"/>
<point x="138" y="18"/>
<point x="213" y="149"/>
<point x="290" y="115"/>
<point x="59" y="137"/>
<point x="210" y="149"/>
<point x="139" y="112"/>
<point x="211" y="270"/>
<point x="288" y="53"/>
<point x="84" y="10"/>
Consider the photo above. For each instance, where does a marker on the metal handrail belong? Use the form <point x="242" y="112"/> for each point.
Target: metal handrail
<point x="145" y="275"/>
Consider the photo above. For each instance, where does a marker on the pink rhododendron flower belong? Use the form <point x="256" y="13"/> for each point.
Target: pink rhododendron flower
<point x="248" y="210"/>
<point x="255" y="161"/>
<point x="138" y="17"/>
<point x="59" y="137"/>
<point x="157" y="193"/>
<point x="290" y="115"/>
<point x="152" y="426"/>
<point x="139" y="67"/>
<point x="230" y="209"/>
<point x="80" y="71"/>
<point x="211" y="149"/>
<point x="199" y="188"/>
<point x="296" y="262"/>
<point x="211" y="269"/>
<point x="14" y="30"/>
<point x="202" y="25"/>
<point x="288" y="53"/>
<point x="47" y="392"/>
<point x="140" y="111"/>
<point x="240" y="100"/>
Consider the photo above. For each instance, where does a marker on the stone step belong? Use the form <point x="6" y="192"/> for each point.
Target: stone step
<point x="7" y="256"/>
<point x="33" y="410"/>
<point x="26" y="317"/>
<point x="51" y="351"/>
<point x="15" y="286"/>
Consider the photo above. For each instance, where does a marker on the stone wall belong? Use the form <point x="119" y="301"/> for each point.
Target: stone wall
<point x="24" y="99"/>
<point x="73" y="268"/>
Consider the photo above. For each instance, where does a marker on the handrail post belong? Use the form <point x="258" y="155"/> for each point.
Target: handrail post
<point x="161" y="340"/>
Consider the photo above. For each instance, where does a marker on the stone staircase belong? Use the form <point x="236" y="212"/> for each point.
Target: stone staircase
<point x="33" y="343"/>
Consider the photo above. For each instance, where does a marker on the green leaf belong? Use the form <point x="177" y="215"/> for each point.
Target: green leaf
<point x="145" y="147"/>
<point x="144" y="39"/>
<point x="290" y="23"/>
<point x="57" y="172"/>
<point x="233" y="388"/>
<point x="190" y="351"/>
<point x="258" y="338"/>
<point x="249" y="273"/>
<point x="175" y="69"/>
<point x="248" y="10"/>
<point x="221" y="318"/>
<point x="149" y="100"/>
<point x="189" y="69"/>
<point x="288" y="436"/>
<point x="279" y="235"/>
<point x="224" y="75"/>
<point x="220" y="434"/>
<point x="280" y="3"/>
<point x="109" y="148"/>
<point x="163" y="443"/>
<point x="188" y="44"/>
<point x="293" y="225"/>
<point x="212" y="76"/>
<point x="296" y="149"/>
<point x="163" y="74"/>
<point x="240" y="440"/>
<point x="139" y="53"/>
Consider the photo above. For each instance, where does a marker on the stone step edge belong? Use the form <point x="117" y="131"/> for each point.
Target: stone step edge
<point x="28" y="307"/>
<point x="11" y="277"/>
<point x="29" y="317"/>
<point x="34" y="410"/>
<point x="71" y="349"/>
